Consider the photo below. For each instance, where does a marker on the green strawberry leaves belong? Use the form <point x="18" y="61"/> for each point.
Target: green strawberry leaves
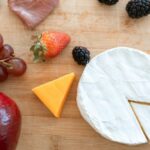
<point x="38" y="49"/>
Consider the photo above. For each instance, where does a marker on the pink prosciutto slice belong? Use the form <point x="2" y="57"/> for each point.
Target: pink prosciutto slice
<point x="32" y="12"/>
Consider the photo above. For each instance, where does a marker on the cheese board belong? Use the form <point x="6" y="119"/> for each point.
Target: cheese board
<point x="89" y="24"/>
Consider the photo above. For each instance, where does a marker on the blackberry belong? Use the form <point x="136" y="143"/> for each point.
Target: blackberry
<point x="138" y="8"/>
<point x="108" y="2"/>
<point x="81" y="55"/>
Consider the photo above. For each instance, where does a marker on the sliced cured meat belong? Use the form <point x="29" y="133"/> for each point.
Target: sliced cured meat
<point x="32" y="12"/>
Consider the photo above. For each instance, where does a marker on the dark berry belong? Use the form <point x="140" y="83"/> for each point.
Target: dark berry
<point x="138" y="8"/>
<point x="108" y="2"/>
<point x="81" y="55"/>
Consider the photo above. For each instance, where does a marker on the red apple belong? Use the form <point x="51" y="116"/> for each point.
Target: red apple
<point x="10" y="123"/>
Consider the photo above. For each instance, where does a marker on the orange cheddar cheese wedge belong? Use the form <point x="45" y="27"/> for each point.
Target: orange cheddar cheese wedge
<point x="54" y="93"/>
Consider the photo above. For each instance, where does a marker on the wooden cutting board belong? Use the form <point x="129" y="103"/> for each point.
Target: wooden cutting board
<point x="90" y="24"/>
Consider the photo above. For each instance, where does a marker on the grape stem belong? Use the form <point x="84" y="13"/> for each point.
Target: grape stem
<point x="5" y="63"/>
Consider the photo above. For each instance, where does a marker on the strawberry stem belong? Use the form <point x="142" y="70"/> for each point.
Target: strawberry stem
<point x="38" y="49"/>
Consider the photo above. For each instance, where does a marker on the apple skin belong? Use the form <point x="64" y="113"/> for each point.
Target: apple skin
<point x="10" y="123"/>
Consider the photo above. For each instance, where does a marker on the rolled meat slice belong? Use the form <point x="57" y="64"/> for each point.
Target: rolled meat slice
<point x="32" y="12"/>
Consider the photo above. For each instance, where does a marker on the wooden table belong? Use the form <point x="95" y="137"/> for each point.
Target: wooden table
<point x="90" y="24"/>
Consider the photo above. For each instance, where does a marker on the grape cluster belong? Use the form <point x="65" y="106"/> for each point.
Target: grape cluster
<point x="9" y="64"/>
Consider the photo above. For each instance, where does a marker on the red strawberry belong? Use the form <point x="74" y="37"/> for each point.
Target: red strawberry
<point x="49" y="44"/>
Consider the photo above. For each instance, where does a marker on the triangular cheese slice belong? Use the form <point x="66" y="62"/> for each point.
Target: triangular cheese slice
<point x="53" y="94"/>
<point x="142" y="112"/>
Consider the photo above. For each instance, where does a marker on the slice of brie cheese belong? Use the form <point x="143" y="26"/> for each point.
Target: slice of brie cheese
<point x="107" y="83"/>
<point x="143" y="114"/>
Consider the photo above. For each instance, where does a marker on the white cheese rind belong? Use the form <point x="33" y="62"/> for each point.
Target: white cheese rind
<point x="107" y="83"/>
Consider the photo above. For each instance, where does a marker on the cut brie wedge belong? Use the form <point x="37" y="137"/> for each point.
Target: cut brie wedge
<point x="107" y="84"/>
<point x="142" y="112"/>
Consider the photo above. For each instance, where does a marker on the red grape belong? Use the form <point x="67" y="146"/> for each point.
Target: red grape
<point x="18" y="66"/>
<point x="1" y="41"/>
<point x="3" y="73"/>
<point x="6" y="52"/>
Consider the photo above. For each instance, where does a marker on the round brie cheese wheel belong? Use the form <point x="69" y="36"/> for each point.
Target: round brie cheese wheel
<point x="110" y="83"/>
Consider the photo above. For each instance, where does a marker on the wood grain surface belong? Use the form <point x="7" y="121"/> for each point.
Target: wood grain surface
<point x="90" y="24"/>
